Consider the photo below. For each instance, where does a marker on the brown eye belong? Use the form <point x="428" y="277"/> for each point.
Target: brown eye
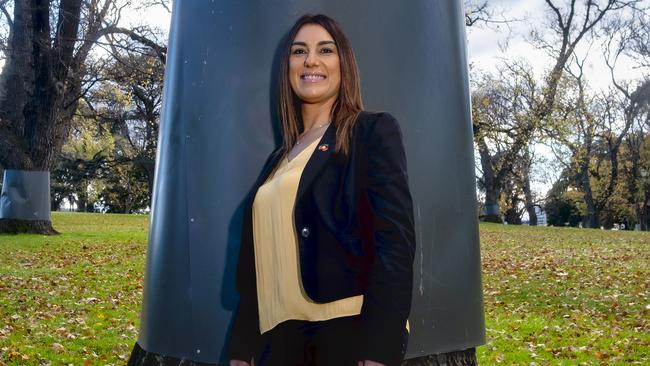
<point x="298" y="51"/>
<point x="326" y="50"/>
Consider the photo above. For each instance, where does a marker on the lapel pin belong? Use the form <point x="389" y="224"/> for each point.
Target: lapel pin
<point x="323" y="147"/>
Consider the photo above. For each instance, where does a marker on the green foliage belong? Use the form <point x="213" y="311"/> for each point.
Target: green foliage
<point x="553" y="296"/>
<point x="108" y="161"/>
<point x="125" y="190"/>
<point x="600" y="138"/>
<point x="82" y="160"/>
<point x="565" y="202"/>
<point x="562" y="211"/>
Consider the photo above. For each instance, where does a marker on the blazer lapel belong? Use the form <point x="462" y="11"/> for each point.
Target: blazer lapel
<point x="317" y="161"/>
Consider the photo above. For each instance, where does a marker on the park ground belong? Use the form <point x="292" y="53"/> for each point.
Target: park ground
<point x="553" y="296"/>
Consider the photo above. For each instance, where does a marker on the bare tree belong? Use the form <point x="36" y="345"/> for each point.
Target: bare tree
<point x="166" y="4"/>
<point x="569" y="25"/>
<point x="480" y="13"/>
<point x="636" y="169"/>
<point x="636" y="37"/>
<point x="592" y="127"/>
<point x="503" y="126"/>
<point x="476" y="12"/>
<point x="626" y="36"/>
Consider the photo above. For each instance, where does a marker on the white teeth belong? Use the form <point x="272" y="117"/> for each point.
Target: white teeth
<point x="313" y="77"/>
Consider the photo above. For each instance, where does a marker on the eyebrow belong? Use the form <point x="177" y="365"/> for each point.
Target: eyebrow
<point x="319" y="43"/>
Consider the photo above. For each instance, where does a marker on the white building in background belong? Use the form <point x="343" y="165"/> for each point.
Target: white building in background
<point x="68" y="206"/>
<point x="541" y="215"/>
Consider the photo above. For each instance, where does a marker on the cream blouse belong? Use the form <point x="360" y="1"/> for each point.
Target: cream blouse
<point x="280" y="293"/>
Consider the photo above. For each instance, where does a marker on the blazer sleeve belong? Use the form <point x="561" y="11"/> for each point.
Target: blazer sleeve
<point x="387" y="299"/>
<point x="245" y="334"/>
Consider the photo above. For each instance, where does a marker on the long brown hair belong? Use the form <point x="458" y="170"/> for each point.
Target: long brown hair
<point x="348" y="104"/>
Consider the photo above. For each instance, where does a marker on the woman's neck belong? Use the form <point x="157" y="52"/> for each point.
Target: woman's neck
<point x="316" y="114"/>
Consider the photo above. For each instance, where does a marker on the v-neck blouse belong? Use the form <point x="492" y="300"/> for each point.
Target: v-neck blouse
<point x="280" y="293"/>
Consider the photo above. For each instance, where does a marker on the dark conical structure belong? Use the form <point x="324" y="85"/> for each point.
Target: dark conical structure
<point x="218" y="125"/>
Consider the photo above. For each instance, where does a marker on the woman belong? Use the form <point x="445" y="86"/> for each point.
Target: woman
<point x="325" y="265"/>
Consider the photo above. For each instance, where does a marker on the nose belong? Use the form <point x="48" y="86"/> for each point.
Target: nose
<point x="311" y="59"/>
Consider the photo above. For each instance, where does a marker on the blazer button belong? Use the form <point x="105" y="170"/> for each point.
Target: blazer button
<point x="305" y="232"/>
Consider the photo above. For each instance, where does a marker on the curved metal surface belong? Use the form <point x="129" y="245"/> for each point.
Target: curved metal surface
<point x="218" y="125"/>
<point x="25" y="195"/>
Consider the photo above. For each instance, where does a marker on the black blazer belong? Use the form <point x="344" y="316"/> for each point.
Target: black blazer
<point x="354" y="221"/>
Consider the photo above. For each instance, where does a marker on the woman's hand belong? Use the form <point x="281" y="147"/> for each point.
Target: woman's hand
<point x="366" y="363"/>
<point x="241" y="363"/>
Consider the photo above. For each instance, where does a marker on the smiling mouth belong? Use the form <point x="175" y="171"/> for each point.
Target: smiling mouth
<point x="312" y="77"/>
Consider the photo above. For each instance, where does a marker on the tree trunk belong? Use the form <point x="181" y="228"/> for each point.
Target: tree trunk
<point x="56" y="204"/>
<point x="492" y="210"/>
<point x="149" y="167"/>
<point x="530" y="204"/>
<point x="82" y="197"/>
<point x="591" y="219"/>
<point x="532" y="215"/>
<point x="511" y="193"/>
<point x="642" y="216"/>
<point x="14" y="226"/>
<point x="491" y="185"/>
<point x="456" y="358"/>
<point x="512" y="216"/>
<point x="638" y="211"/>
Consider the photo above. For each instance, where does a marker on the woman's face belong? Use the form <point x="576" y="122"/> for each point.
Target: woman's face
<point x="314" y="69"/>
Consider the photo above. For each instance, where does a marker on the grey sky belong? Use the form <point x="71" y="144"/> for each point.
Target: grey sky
<point x="484" y="51"/>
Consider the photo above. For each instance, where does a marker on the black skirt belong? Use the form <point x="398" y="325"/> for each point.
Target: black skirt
<point x="333" y="342"/>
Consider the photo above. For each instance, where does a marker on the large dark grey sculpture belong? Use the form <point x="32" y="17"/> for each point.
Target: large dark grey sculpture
<point x="219" y="124"/>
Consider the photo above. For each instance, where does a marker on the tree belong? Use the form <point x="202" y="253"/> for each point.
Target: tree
<point x="84" y="159"/>
<point x="42" y="82"/>
<point x="568" y="28"/>
<point x="627" y="37"/>
<point x="501" y="140"/>
<point x="530" y="200"/>
<point x="503" y="126"/>
<point x="476" y="12"/>
<point x="562" y="204"/>
<point x="635" y="169"/>
<point x="587" y="126"/>
<point x="479" y="13"/>
<point x="138" y="77"/>
<point x="45" y="77"/>
<point x="518" y="195"/>
<point x="124" y="189"/>
<point x="637" y="37"/>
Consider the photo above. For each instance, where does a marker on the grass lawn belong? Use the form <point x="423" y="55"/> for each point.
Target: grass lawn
<point x="553" y="296"/>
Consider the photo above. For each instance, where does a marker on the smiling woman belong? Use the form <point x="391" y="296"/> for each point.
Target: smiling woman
<point x="338" y="213"/>
<point x="325" y="263"/>
<point x="314" y="67"/>
<point x="315" y="77"/>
